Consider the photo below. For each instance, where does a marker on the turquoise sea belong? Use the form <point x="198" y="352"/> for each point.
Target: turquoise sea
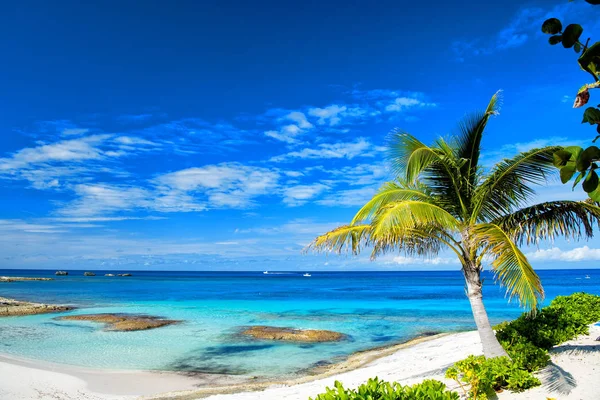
<point x="373" y="308"/>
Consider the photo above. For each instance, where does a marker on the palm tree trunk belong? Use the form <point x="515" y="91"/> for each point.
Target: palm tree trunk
<point x="491" y="346"/>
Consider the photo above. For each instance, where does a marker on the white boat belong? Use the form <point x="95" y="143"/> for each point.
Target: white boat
<point x="306" y="274"/>
<point x="266" y="272"/>
<point x="587" y="277"/>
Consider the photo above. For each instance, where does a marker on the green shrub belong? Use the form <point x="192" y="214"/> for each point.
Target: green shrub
<point x="526" y="355"/>
<point x="547" y="328"/>
<point x="586" y="305"/>
<point x="528" y="338"/>
<point x="376" y="389"/>
<point x="484" y="376"/>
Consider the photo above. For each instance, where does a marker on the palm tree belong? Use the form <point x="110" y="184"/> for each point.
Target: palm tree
<point x="442" y="198"/>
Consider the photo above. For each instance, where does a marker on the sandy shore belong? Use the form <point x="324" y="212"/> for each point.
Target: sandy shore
<point x="573" y="374"/>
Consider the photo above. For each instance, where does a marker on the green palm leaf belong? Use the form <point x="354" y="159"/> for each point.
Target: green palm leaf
<point x="508" y="186"/>
<point x="352" y="236"/>
<point x="391" y="192"/>
<point x="468" y="139"/>
<point x="510" y="265"/>
<point x="409" y="156"/>
<point x="409" y="214"/>
<point x="571" y="219"/>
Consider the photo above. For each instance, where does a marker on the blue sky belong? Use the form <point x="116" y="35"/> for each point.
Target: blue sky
<point x="226" y="135"/>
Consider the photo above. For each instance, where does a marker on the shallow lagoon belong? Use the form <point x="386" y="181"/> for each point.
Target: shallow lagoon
<point x="373" y="308"/>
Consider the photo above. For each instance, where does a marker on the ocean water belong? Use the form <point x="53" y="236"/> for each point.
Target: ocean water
<point x="373" y="308"/>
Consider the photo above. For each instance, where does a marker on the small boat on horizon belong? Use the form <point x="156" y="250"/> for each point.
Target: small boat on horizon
<point x="307" y="274"/>
<point x="266" y="272"/>
<point x="587" y="277"/>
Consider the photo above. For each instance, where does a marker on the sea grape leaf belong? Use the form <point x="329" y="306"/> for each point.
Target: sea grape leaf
<point x="556" y="39"/>
<point x="571" y="35"/>
<point x="552" y="26"/>
<point x="561" y="157"/>
<point x="590" y="60"/>
<point x="591" y="182"/>
<point x="591" y="116"/>
<point x="566" y="173"/>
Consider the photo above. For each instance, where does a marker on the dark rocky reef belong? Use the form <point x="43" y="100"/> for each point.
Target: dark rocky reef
<point x="89" y="274"/>
<point x="61" y="273"/>
<point x="123" y="322"/>
<point x="292" y="335"/>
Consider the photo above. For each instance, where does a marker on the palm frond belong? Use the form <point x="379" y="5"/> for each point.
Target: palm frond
<point x="409" y="214"/>
<point x="391" y="192"/>
<point x="409" y="156"/>
<point x="508" y="186"/>
<point x="509" y="265"/>
<point x="571" y="219"/>
<point x="470" y="132"/>
<point x="353" y="237"/>
<point x="419" y="241"/>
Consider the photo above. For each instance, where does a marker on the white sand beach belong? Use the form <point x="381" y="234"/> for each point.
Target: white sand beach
<point x="573" y="374"/>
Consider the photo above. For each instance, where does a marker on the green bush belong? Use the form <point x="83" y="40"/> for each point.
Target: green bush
<point x="585" y="305"/>
<point x="526" y="355"/>
<point x="547" y="328"/>
<point x="376" y="389"/>
<point x="485" y="376"/>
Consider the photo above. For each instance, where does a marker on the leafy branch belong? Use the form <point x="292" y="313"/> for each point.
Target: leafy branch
<point x="573" y="159"/>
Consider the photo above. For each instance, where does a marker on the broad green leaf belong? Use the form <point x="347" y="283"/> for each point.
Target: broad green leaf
<point x="552" y="26"/>
<point x="571" y="35"/>
<point x="591" y="182"/>
<point x="595" y="195"/>
<point x="592" y="153"/>
<point x="560" y="158"/>
<point x="590" y="60"/>
<point x="556" y="39"/>
<point x="591" y="115"/>
<point x="566" y="173"/>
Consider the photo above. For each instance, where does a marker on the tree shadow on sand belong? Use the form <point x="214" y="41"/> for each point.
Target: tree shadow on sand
<point x="556" y="379"/>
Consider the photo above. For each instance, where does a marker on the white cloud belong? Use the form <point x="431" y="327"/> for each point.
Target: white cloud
<point x="300" y="119"/>
<point x="300" y="194"/>
<point x="349" y="198"/>
<point x="74" y="131"/>
<point x="225" y="185"/>
<point x="288" y="132"/>
<point x="349" y="150"/>
<point x="404" y="103"/>
<point x="66" y="150"/>
<point x="419" y="261"/>
<point x="556" y="254"/>
<point x="102" y="199"/>
<point x="328" y="115"/>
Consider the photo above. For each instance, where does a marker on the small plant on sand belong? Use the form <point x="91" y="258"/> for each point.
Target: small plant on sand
<point x="485" y="376"/>
<point x="376" y="389"/>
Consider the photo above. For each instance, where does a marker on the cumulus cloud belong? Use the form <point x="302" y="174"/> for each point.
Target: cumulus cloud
<point x="418" y="261"/>
<point x="404" y="103"/>
<point x="360" y="147"/>
<point x="328" y="115"/>
<point x="556" y="254"/>
<point x="300" y="194"/>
